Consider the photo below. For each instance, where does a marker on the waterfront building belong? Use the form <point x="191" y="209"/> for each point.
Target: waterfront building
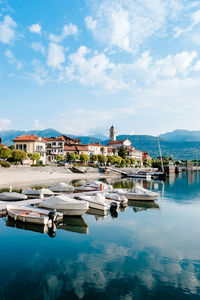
<point x="97" y="148"/>
<point x="117" y="144"/>
<point x="54" y="147"/>
<point x="31" y="144"/>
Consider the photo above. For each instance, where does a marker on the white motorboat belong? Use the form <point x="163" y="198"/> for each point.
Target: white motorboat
<point x="96" y="201"/>
<point x="12" y="196"/>
<point x="118" y="198"/>
<point x="38" y="193"/>
<point x="68" y="206"/>
<point x="62" y="187"/>
<point x="82" y="189"/>
<point x="33" y="215"/>
<point x="94" y="186"/>
<point x="138" y="193"/>
<point x="140" y="175"/>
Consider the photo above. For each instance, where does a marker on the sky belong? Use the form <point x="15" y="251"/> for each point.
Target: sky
<point x="80" y="66"/>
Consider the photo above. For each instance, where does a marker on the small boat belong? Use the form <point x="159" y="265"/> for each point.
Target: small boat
<point x="33" y="215"/>
<point x="82" y="189"/>
<point x="68" y="206"/>
<point x="96" y="201"/>
<point x="138" y="193"/>
<point x="94" y="186"/>
<point x="38" y="193"/>
<point x="141" y="175"/>
<point x="118" y="198"/>
<point x="12" y="196"/>
<point x="62" y="187"/>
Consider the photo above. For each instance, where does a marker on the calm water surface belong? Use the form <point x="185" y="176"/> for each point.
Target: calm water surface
<point x="146" y="252"/>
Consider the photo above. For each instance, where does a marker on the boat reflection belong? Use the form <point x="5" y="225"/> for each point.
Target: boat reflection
<point x="44" y="229"/>
<point x="139" y="206"/>
<point x="74" y="224"/>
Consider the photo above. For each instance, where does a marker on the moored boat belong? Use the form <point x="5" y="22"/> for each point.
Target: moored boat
<point x="138" y="193"/>
<point x="62" y="187"/>
<point x="96" y="201"/>
<point x="12" y="196"/>
<point x="33" y="215"/>
<point x="68" y="206"/>
<point x="94" y="186"/>
<point x="38" y="193"/>
<point x="141" y="175"/>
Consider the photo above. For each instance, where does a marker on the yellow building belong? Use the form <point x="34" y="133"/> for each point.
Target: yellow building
<point x="31" y="144"/>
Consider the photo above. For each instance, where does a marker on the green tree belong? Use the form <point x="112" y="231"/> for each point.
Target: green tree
<point x="59" y="157"/>
<point x="114" y="151"/>
<point x="147" y="163"/>
<point x="128" y="162"/>
<point x="84" y="158"/>
<point x="94" y="158"/>
<point x="122" y="152"/>
<point x="71" y="156"/>
<point x="102" y="158"/>
<point x="102" y="150"/>
<point x="133" y="161"/>
<point x="123" y="162"/>
<point x="18" y="155"/>
<point x="139" y="163"/>
<point x="5" y="153"/>
<point x="34" y="157"/>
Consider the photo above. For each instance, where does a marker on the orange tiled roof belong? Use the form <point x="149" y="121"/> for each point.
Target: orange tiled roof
<point x="52" y="139"/>
<point x="28" y="138"/>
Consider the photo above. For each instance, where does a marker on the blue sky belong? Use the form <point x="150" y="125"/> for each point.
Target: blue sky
<point x="80" y="66"/>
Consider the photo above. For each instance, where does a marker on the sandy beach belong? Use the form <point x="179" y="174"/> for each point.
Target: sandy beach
<point x="23" y="176"/>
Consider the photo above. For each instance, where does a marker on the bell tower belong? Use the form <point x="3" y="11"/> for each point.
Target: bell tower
<point x="112" y="134"/>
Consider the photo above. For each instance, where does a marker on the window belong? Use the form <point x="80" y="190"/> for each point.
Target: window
<point x="54" y="144"/>
<point x="39" y="148"/>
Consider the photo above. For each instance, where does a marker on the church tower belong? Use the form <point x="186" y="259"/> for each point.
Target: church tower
<point x="112" y="134"/>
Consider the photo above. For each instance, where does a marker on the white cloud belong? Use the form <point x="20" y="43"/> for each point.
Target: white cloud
<point x="4" y="123"/>
<point x="13" y="60"/>
<point x="7" y="30"/>
<point x="93" y="70"/>
<point x="67" y="30"/>
<point x="127" y="24"/>
<point x="90" y="23"/>
<point x="37" y="46"/>
<point x="39" y="74"/>
<point x="35" y="28"/>
<point x="195" y="20"/>
<point x="56" y="56"/>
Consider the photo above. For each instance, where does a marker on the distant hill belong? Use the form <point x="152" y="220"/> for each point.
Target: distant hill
<point x="180" y="148"/>
<point x="179" y="135"/>
<point x="8" y="135"/>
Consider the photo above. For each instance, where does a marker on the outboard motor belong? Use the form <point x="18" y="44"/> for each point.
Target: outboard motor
<point x="122" y="204"/>
<point x="52" y="215"/>
<point x="113" y="207"/>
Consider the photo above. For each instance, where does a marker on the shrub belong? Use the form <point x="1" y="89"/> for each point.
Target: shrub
<point x="5" y="164"/>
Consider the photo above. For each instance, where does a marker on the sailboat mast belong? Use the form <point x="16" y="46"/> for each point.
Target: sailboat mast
<point x="160" y="155"/>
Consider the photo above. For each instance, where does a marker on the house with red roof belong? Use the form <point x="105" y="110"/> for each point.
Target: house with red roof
<point x="31" y="144"/>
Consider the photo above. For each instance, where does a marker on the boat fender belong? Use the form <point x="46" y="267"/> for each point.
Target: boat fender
<point x="113" y="206"/>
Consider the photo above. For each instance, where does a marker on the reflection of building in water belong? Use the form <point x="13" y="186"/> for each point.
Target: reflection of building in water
<point x="190" y="176"/>
<point x="172" y="178"/>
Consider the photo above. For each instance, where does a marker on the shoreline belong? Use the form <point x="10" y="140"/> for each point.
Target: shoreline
<point x="18" y="176"/>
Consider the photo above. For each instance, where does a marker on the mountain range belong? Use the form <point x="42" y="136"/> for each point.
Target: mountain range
<point x="181" y="144"/>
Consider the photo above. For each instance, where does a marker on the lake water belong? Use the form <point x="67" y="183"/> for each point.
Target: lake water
<point x="146" y="252"/>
